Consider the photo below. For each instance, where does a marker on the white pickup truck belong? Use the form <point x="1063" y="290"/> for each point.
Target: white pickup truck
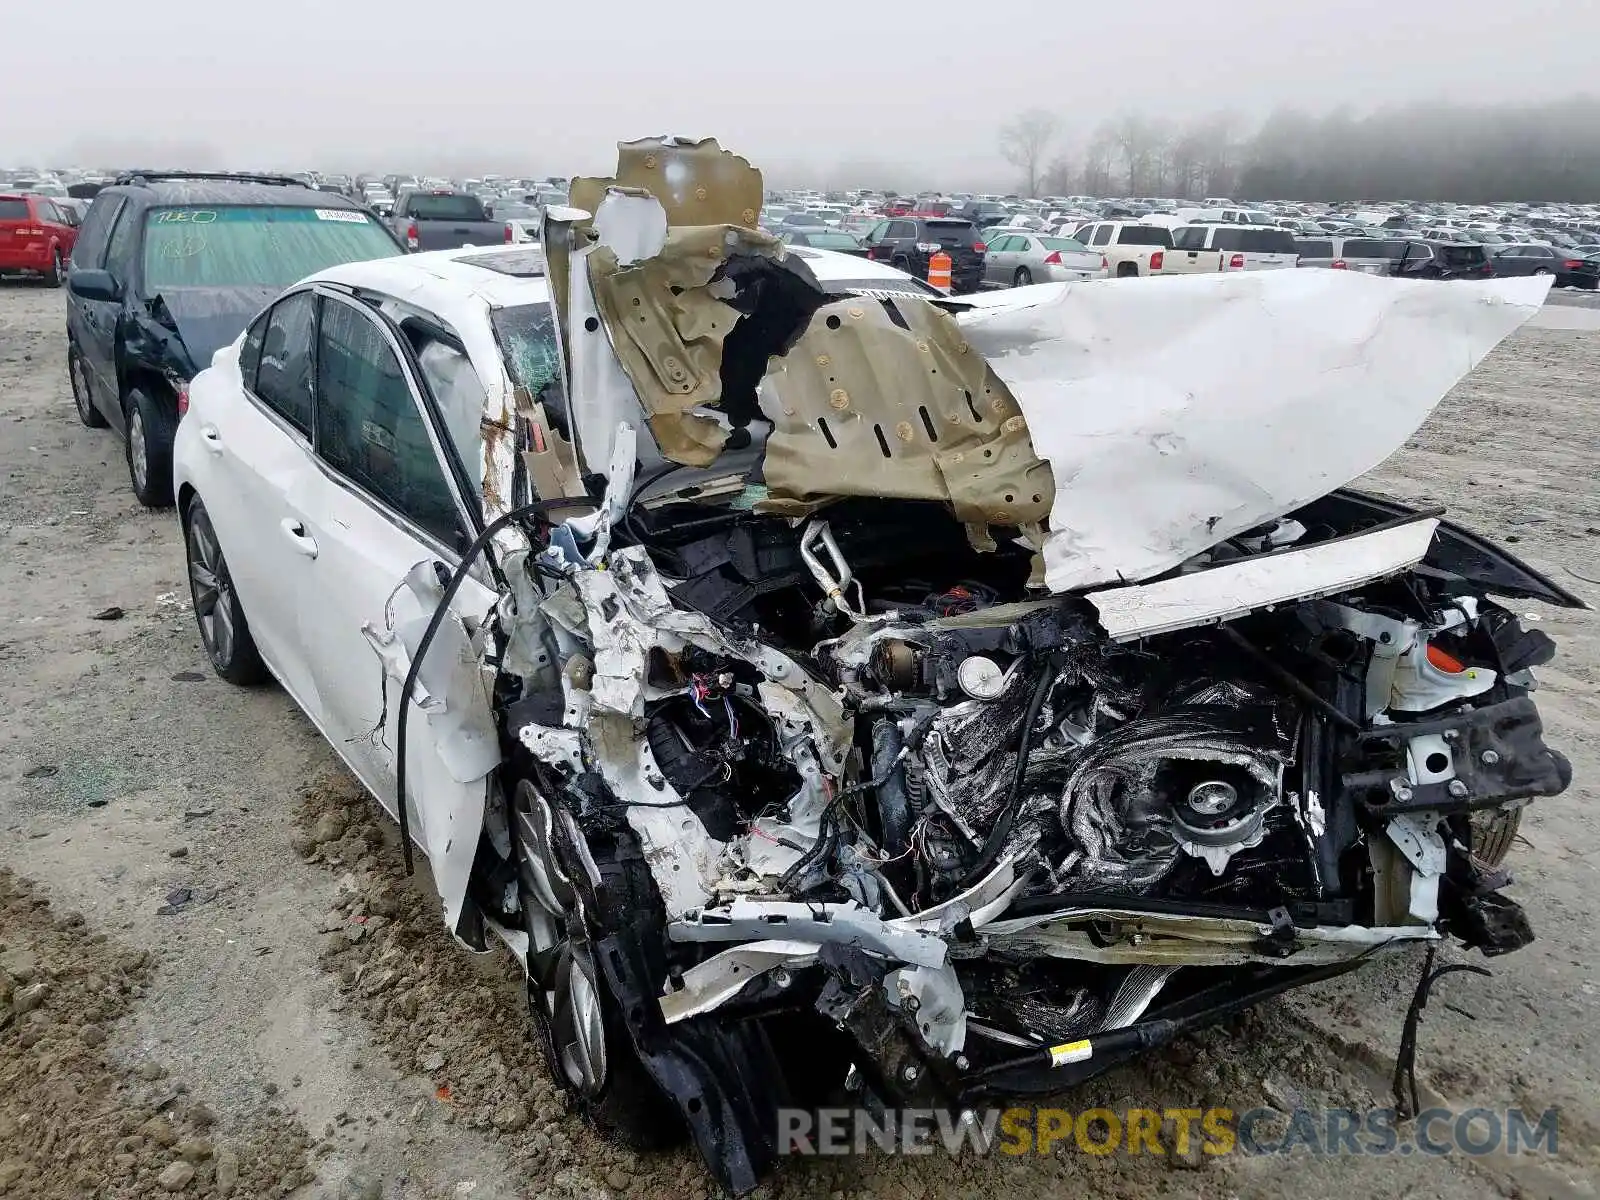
<point x="1129" y="247"/>
<point x="1229" y="247"/>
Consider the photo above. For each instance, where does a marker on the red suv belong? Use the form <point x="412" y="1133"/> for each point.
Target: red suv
<point x="35" y="235"/>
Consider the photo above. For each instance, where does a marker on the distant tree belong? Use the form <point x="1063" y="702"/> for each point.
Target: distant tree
<point x="1136" y="139"/>
<point x="1025" y="143"/>
<point x="1058" y="177"/>
<point x="1097" y="161"/>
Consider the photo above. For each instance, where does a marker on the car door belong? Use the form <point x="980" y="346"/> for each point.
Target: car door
<point x="386" y="521"/>
<point x="994" y="262"/>
<point x="92" y="324"/>
<point x="258" y="453"/>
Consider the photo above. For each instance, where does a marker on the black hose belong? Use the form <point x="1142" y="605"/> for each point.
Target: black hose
<point x="537" y="508"/>
<point x="1007" y="817"/>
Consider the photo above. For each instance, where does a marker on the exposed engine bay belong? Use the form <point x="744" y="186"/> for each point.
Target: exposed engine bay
<point x="799" y="754"/>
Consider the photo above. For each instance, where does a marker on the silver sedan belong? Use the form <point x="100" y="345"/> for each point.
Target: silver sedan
<point x="1018" y="259"/>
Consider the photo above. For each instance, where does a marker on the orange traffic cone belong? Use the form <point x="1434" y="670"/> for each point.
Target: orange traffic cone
<point x="939" y="270"/>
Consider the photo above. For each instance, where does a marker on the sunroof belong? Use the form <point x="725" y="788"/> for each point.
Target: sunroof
<point x="524" y="264"/>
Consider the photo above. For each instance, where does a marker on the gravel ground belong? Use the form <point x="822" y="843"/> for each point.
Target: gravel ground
<point x="242" y="943"/>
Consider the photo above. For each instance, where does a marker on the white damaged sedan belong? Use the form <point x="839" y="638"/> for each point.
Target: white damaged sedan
<point x="807" y="675"/>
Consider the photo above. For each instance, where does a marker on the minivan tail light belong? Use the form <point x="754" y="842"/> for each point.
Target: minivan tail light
<point x="1339" y="264"/>
<point x="1053" y="259"/>
<point x="412" y="240"/>
<point x="1236" y="263"/>
<point x="1156" y="259"/>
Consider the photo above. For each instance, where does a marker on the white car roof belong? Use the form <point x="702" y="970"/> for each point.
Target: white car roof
<point x="503" y="276"/>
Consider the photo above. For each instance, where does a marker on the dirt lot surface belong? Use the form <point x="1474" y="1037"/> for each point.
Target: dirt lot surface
<point x="242" y="993"/>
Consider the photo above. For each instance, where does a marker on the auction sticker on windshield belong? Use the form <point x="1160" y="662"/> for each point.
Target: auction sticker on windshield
<point x="341" y="214"/>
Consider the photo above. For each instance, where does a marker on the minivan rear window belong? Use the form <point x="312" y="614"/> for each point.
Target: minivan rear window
<point x="1145" y="235"/>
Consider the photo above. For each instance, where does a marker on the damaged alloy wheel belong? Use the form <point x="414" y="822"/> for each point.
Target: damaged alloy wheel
<point x="589" y="1046"/>
<point x="560" y="959"/>
<point x="223" y="628"/>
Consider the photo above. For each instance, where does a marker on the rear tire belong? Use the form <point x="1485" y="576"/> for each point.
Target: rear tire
<point x="52" y="278"/>
<point x="224" y="632"/>
<point x="151" y="428"/>
<point x="1023" y="277"/>
<point x="1541" y="270"/>
<point x="82" y="395"/>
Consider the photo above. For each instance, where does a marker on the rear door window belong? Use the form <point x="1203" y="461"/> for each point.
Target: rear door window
<point x="283" y="378"/>
<point x="1102" y="235"/>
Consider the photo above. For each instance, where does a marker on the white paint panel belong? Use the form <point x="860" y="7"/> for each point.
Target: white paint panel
<point x="1228" y="591"/>
<point x="1177" y="412"/>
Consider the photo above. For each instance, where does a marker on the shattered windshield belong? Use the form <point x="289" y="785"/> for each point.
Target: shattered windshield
<point x="268" y="246"/>
<point x="527" y="337"/>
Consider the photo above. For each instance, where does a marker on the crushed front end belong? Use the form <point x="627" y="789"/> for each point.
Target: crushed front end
<point x="836" y="747"/>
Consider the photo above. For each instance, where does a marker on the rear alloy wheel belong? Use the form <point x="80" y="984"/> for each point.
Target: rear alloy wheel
<point x="1024" y="277"/>
<point x="151" y="427"/>
<point x="223" y="629"/>
<point x="1541" y="270"/>
<point x="53" y="277"/>
<point x="82" y="397"/>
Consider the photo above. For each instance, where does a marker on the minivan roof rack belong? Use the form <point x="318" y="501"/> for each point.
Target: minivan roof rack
<point x="144" y="176"/>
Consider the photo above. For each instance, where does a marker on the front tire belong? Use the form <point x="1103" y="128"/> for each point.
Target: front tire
<point x="1023" y="277"/>
<point x="223" y="629"/>
<point x="587" y="1042"/>
<point x="151" y="428"/>
<point x="82" y="396"/>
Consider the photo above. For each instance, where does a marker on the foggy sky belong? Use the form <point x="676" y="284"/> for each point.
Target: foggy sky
<point x="801" y="87"/>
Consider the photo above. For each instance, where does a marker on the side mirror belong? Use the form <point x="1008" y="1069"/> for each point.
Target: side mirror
<point x="94" y="285"/>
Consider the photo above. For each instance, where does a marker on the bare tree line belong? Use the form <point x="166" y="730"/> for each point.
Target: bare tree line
<point x="1466" y="153"/>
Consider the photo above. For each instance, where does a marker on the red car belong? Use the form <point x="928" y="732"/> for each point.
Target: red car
<point x="36" y="235"/>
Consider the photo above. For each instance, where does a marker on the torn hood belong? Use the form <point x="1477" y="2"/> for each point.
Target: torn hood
<point x="1118" y="427"/>
<point x="1176" y="413"/>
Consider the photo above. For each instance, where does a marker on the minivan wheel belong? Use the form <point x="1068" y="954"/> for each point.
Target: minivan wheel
<point x="223" y="629"/>
<point x="1024" y="277"/>
<point x="82" y="397"/>
<point x="151" y="428"/>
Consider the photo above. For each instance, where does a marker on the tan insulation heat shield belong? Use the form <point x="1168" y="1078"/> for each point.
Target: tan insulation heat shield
<point x="667" y="328"/>
<point x="696" y="182"/>
<point x="886" y="398"/>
